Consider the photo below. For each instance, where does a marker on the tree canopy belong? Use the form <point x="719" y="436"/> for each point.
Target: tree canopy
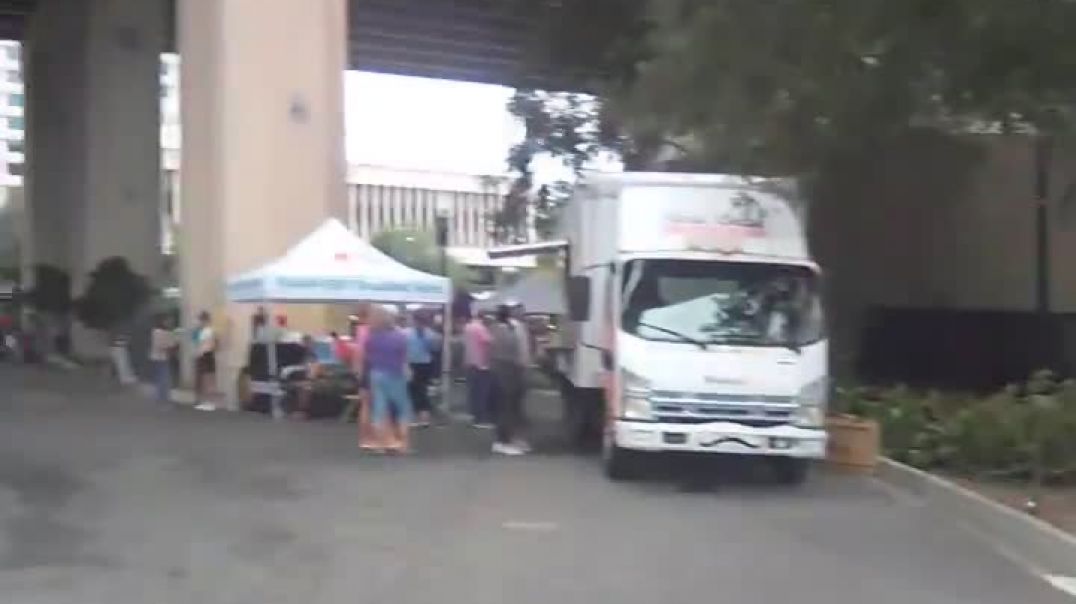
<point x="783" y="86"/>
<point x="418" y="250"/>
<point x="114" y="295"/>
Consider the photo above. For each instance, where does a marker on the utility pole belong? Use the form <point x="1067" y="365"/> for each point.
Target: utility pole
<point x="1043" y="159"/>
<point x="1045" y="337"/>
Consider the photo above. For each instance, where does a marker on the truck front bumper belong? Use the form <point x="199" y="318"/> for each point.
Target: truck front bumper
<point x="722" y="437"/>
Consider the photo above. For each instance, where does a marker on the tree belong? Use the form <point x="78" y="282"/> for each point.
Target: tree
<point x="795" y="86"/>
<point x="564" y="126"/>
<point x="9" y="237"/>
<point x="419" y="251"/>
<point x="114" y="295"/>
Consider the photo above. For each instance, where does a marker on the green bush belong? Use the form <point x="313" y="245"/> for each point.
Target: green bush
<point x="115" y="293"/>
<point x="1025" y="431"/>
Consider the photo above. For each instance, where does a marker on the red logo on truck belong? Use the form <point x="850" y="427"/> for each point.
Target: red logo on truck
<point x="744" y="219"/>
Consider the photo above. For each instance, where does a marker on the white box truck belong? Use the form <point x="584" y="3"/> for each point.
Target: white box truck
<point x="696" y="320"/>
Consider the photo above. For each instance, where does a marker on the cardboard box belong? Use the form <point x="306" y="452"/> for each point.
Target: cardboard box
<point x="853" y="443"/>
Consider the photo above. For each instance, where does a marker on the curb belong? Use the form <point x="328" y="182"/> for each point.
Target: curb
<point x="1044" y="547"/>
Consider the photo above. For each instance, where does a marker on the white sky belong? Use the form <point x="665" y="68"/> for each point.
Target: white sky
<point x="438" y="125"/>
<point x="426" y="124"/>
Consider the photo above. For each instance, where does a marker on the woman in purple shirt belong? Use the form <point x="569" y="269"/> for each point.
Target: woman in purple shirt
<point x="386" y="359"/>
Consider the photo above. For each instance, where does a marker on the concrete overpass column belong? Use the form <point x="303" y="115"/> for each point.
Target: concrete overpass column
<point x="263" y="143"/>
<point x="93" y="135"/>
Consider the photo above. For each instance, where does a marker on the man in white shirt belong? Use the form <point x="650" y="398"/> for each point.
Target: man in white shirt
<point x="163" y="343"/>
<point x="205" y="363"/>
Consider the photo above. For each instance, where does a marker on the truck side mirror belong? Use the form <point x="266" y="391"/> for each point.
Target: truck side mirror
<point x="607" y="360"/>
<point x="579" y="298"/>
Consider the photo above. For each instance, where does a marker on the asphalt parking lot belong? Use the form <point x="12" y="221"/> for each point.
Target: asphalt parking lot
<point x="105" y="498"/>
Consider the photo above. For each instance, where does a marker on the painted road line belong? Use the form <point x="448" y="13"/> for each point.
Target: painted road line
<point x="1065" y="584"/>
<point x="533" y="526"/>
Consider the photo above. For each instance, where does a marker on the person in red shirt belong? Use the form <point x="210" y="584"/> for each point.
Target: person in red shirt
<point x="343" y="350"/>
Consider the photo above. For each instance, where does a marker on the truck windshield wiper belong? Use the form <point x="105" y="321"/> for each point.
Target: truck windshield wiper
<point x="673" y="332"/>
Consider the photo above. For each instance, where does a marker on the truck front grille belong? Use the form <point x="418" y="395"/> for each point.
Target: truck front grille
<point x="699" y="408"/>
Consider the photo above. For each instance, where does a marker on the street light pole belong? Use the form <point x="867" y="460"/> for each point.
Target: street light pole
<point x="1043" y="157"/>
<point x="1046" y="335"/>
<point x="442" y="242"/>
<point x="443" y="209"/>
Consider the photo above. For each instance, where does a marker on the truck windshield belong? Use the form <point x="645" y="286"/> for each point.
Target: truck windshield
<point x="735" y="303"/>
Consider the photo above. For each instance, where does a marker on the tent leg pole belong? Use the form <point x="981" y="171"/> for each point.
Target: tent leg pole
<point x="276" y="410"/>
<point x="446" y="362"/>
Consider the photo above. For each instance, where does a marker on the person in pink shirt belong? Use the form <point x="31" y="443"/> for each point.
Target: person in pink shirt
<point x="360" y="331"/>
<point x="476" y="343"/>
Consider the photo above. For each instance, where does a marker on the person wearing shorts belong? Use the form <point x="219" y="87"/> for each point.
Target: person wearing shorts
<point x="360" y="329"/>
<point x="386" y="360"/>
<point x="205" y="363"/>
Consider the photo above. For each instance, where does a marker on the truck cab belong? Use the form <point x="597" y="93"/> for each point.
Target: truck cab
<point x="712" y="355"/>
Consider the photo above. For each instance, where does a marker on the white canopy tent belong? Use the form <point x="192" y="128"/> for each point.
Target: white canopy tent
<point x="333" y="265"/>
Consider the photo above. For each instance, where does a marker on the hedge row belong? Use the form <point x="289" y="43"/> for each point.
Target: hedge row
<point x="1026" y="431"/>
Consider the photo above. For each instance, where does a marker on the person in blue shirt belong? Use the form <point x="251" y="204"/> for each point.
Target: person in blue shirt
<point x="422" y="344"/>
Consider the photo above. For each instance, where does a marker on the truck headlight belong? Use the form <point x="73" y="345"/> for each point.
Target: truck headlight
<point x="635" y="401"/>
<point x="811" y="412"/>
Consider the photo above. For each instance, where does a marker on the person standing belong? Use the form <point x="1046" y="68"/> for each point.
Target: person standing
<point x="205" y="363"/>
<point x="343" y="349"/>
<point x="162" y="344"/>
<point x="526" y="352"/>
<point x="305" y="390"/>
<point x="476" y="344"/>
<point x="506" y="359"/>
<point x="259" y="326"/>
<point x="386" y="358"/>
<point x="360" y="330"/>
<point x="422" y="341"/>
<point x="519" y="323"/>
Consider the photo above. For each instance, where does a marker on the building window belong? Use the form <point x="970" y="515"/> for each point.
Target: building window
<point x="15" y="169"/>
<point x="16" y="99"/>
<point x="16" y="147"/>
<point x="16" y="122"/>
<point x="12" y="52"/>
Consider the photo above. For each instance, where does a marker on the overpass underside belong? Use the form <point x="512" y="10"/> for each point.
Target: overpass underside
<point x="262" y="117"/>
<point x="470" y="40"/>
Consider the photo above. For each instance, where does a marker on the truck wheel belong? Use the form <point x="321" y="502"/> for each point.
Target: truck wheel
<point x="619" y="464"/>
<point x="791" y="471"/>
<point x="582" y="416"/>
<point x="571" y="414"/>
<point x="593" y="426"/>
